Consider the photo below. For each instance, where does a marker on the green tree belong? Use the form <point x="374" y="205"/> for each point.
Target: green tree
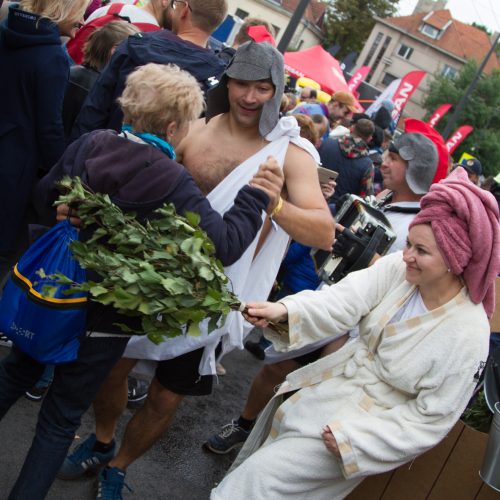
<point x="349" y="22"/>
<point x="482" y="111"/>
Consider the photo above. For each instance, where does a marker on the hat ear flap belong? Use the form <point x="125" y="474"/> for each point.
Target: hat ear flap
<point x="271" y="109"/>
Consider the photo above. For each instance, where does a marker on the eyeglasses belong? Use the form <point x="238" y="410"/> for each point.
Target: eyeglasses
<point x="173" y="2"/>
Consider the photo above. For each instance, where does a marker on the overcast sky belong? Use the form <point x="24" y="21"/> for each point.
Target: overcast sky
<point x="486" y="12"/>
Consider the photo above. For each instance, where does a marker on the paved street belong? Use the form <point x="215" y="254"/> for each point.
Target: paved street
<point x="176" y="468"/>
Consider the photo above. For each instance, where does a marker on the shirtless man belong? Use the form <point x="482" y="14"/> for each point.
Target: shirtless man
<point x="250" y="111"/>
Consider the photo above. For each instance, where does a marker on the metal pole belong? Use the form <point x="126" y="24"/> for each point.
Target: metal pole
<point x="460" y="106"/>
<point x="292" y="26"/>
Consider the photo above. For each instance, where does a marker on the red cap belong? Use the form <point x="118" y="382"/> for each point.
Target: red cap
<point x="260" y="34"/>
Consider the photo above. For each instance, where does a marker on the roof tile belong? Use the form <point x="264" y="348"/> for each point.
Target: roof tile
<point x="460" y="39"/>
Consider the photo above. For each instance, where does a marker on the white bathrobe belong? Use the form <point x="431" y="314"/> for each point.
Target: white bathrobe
<point x="388" y="395"/>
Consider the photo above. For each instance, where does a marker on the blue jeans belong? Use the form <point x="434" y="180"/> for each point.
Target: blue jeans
<point x="46" y="379"/>
<point x="73" y="389"/>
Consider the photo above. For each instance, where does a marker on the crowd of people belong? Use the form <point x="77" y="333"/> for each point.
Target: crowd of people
<point x="145" y="106"/>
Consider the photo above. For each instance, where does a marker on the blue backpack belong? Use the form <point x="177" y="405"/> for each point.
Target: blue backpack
<point x="45" y="328"/>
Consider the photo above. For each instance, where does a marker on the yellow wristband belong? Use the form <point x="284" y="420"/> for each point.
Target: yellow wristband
<point x="277" y="208"/>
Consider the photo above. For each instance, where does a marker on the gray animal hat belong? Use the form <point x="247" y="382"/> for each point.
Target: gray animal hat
<point x="422" y="157"/>
<point x="252" y="61"/>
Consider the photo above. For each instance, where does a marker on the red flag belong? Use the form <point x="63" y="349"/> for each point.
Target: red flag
<point x="403" y="93"/>
<point x="357" y="78"/>
<point x="438" y="114"/>
<point x="457" y="137"/>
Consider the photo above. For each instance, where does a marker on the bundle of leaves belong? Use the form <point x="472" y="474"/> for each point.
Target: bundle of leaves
<point x="163" y="270"/>
<point x="477" y="414"/>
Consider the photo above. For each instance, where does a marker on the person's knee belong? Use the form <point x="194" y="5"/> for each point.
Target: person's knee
<point x="160" y="400"/>
<point x="277" y="372"/>
<point x="119" y="373"/>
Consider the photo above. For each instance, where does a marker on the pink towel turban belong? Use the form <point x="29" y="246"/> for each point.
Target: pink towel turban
<point x="464" y="220"/>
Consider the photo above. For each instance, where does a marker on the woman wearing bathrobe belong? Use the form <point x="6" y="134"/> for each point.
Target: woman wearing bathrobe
<point x="398" y="388"/>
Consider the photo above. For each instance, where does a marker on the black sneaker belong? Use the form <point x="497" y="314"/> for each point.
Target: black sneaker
<point x="137" y="391"/>
<point x="255" y="348"/>
<point x="5" y="341"/>
<point x="229" y="437"/>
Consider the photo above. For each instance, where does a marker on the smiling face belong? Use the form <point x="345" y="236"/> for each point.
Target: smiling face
<point x="246" y="99"/>
<point x="424" y="264"/>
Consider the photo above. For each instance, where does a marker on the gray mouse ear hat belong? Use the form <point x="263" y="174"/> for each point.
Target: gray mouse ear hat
<point x="252" y="61"/>
<point x="422" y="157"/>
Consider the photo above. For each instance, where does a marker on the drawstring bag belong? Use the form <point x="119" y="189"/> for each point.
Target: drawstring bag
<point x="45" y="328"/>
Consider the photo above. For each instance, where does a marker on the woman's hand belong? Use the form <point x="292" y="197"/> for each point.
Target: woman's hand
<point x="262" y="313"/>
<point x="330" y="441"/>
<point x="270" y="179"/>
<point x="64" y="211"/>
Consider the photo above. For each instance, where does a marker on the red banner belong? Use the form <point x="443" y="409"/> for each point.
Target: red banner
<point x="438" y="114"/>
<point x="405" y="90"/>
<point x="357" y="78"/>
<point x="457" y="137"/>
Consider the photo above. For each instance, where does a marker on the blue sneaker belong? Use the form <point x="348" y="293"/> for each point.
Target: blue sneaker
<point x="84" y="461"/>
<point x="230" y="436"/>
<point x="110" y="484"/>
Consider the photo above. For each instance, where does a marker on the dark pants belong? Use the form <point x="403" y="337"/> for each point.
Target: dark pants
<point x="73" y="389"/>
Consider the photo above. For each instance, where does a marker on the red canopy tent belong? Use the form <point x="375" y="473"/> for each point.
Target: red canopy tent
<point x="316" y="63"/>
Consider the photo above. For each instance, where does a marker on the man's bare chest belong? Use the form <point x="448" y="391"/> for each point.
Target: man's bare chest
<point x="209" y="162"/>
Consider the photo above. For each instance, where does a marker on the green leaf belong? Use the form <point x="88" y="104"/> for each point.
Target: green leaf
<point x="97" y="290"/>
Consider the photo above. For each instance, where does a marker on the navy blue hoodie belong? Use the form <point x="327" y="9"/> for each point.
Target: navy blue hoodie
<point x="101" y="110"/>
<point x="34" y="71"/>
<point x="140" y="178"/>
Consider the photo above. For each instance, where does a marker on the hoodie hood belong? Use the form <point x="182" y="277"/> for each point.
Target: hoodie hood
<point x="164" y="47"/>
<point x="129" y="171"/>
<point x="24" y="29"/>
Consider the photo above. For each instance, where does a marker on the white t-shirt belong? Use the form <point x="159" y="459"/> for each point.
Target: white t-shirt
<point x="414" y="306"/>
<point x="400" y="222"/>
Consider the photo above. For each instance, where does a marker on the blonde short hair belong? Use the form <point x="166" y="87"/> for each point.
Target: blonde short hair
<point x="157" y="94"/>
<point x="207" y="15"/>
<point x="55" y="10"/>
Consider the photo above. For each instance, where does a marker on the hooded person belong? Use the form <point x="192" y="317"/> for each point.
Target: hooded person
<point x="397" y="389"/>
<point x="252" y="61"/>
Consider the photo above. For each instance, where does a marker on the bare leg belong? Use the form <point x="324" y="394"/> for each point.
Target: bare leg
<point x="264" y="384"/>
<point x="111" y="400"/>
<point x="147" y="425"/>
<point x="335" y="345"/>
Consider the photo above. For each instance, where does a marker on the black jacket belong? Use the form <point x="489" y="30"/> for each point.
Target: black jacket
<point x="33" y="74"/>
<point x="101" y="110"/>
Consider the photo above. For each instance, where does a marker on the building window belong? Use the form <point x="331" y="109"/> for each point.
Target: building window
<point x="388" y="79"/>
<point x="430" y="31"/>
<point x="380" y="54"/>
<point x="404" y="51"/>
<point x="373" y="48"/>
<point x="449" y="71"/>
<point x="276" y="30"/>
<point x="241" y="13"/>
